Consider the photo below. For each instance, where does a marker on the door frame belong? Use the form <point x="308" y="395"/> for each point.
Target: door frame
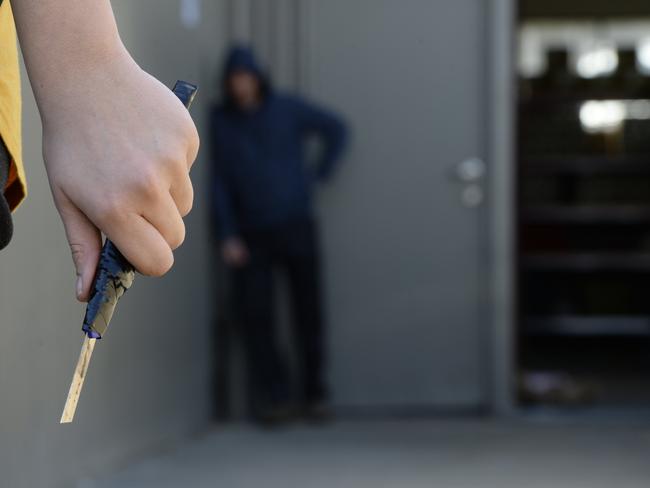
<point x="502" y="204"/>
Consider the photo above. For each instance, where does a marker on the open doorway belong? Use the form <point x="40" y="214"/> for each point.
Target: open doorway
<point x="584" y="203"/>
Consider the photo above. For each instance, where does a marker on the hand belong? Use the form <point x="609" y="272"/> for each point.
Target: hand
<point x="118" y="150"/>
<point x="234" y="252"/>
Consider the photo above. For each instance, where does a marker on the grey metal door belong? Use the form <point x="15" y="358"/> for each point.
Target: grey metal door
<point x="402" y="221"/>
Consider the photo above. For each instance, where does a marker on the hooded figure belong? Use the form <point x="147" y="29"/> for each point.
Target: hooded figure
<point x="262" y="191"/>
<point x="262" y="176"/>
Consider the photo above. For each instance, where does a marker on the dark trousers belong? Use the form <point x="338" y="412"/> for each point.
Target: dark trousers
<point x="293" y="250"/>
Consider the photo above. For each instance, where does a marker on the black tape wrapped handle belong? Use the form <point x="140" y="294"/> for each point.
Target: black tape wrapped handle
<point x="114" y="273"/>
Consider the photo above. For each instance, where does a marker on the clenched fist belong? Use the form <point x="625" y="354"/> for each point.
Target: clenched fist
<point x="118" y="154"/>
<point x="118" y="145"/>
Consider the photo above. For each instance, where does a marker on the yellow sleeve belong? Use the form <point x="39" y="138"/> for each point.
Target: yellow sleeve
<point x="10" y="106"/>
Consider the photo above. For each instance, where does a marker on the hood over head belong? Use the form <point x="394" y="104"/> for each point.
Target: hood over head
<point x="242" y="58"/>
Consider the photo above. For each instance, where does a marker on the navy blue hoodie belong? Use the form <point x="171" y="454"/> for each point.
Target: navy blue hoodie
<point x="261" y="177"/>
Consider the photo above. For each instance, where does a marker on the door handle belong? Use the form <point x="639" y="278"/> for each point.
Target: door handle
<point x="471" y="172"/>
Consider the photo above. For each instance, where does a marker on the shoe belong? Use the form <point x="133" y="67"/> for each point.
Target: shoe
<point x="317" y="413"/>
<point x="559" y="389"/>
<point x="276" y="416"/>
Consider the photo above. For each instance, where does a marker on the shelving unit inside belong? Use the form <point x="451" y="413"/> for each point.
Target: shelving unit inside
<point x="584" y="211"/>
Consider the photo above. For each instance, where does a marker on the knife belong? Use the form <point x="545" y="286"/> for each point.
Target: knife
<point x="113" y="278"/>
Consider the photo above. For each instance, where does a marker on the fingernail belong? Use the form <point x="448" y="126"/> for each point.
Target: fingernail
<point x="80" y="286"/>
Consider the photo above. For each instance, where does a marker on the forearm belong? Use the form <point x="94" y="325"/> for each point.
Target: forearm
<point x="335" y="136"/>
<point x="63" y="42"/>
<point x="117" y="143"/>
<point x="331" y="129"/>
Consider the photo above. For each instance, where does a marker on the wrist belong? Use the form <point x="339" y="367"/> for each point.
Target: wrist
<point x="83" y="81"/>
<point x="62" y="40"/>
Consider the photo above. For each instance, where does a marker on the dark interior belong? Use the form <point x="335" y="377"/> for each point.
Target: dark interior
<point x="584" y="225"/>
<point x="584" y="9"/>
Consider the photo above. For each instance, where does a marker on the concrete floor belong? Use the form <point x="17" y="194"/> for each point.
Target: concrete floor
<point x="406" y="454"/>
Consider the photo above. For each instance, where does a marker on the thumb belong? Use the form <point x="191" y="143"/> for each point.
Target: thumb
<point x="85" y="245"/>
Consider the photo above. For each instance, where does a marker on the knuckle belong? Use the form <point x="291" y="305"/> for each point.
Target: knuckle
<point x="178" y="161"/>
<point x="148" y="184"/>
<point x="177" y="167"/>
<point x="190" y="142"/>
<point x="111" y="208"/>
<point x="195" y="144"/>
<point x="175" y="164"/>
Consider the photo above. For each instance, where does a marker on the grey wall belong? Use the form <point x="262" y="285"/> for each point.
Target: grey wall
<point x="149" y="379"/>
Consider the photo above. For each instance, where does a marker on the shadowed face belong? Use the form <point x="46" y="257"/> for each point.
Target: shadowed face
<point x="244" y="88"/>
